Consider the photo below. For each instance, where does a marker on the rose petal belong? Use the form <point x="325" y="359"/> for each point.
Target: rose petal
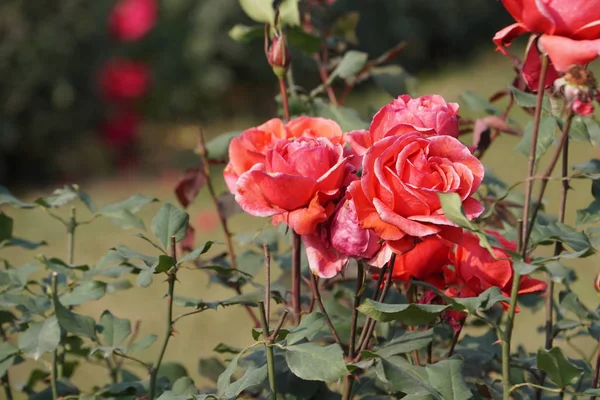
<point x="323" y="260"/>
<point x="281" y="189"/>
<point x="250" y="196"/>
<point x="405" y="225"/>
<point x="565" y="52"/>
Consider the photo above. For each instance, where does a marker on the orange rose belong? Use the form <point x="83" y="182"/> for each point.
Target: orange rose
<point x="297" y="184"/>
<point x="397" y="195"/>
<point x="252" y="145"/>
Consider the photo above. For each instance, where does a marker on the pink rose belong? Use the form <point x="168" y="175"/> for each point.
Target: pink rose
<point x="131" y="20"/>
<point x="427" y="114"/>
<point x="297" y="183"/>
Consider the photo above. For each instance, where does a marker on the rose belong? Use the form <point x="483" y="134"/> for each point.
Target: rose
<point x="338" y="239"/>
<point x="123" y="79"/>
<point x="428" y="114"/>
<point x="425" y="261"/>
<point x="121" y="128"/>
<point x="131" y="20"/>
<point x="476" y="270"/>
<point x="251" y="146"/>
<point x="297" y="183"/>
<point x="570" y="29"/>
<point x="397" y="195"/>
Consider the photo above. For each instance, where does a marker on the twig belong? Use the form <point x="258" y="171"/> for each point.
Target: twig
<point x="325" y="78"/>
<point x="131" y="341"/>
<point x="268" y="348"/>
<point x="279" y="325"/>
<point x="506" y="340"/>
<point x="54" y="370"/>
<point x="596" y="372"/>
<point x="267" y="281"/>
<point x="171" y="278"/>
<point x="296" y="276"/>
<point x="360" y="281"/>
<point x="224" y="226"/>
<point x="317" y="293"/>
<point x="126" y="357"/>
<point x="284" y="99"/>
<point x="455" y="339"/>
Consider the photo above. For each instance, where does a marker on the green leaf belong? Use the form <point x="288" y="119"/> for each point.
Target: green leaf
<point x="184" y="386"/>
<point x="64" y="196"/>
<point x="245" y="34"/>
<point x="474" y="102"/>
<point x="407" y="342"/>
<point x="529" y="100"/>
<point x="311" y="362"/>
<point x="400" y="376"/>
<point x="19" y="242"/>
<point x="483" y="302"/>
<point x="558" y="367"/>
<point x="84" y="291"/>
<point x="17" y="278"/>
<point x="210" y="368"/>
<point x="545" y="137"/>
<point x="114" y="330"/>
<point x="310" y="326"/>
<point x="170" y="221"/>
<point x="59" y="266"/>
<point x="262" y="11"/>
<point x="305" y="41"/>
<point x="253" y="376"/>
<point x="590" y="214"/>
<point x="6" y="227"/>
<point x="149" y="241"/>
<point x="409" y="314"/>
<point x="6" y="350"/>
<point x="123" y="213"/>
<point x="196" y="253"/>
<point x="393" y="79"/>
<point x="6" y="197"/>
<point x="347" y="118"/>
<point x="143" y="343"/>
<point x="164" y="264"/>
<point x="128" y="254"/>
<point x="446" y="377"/>
<point x="172" y="371"/>
<point x="41" y="337"/>
<point x="351" y="64"/>
<point x="80" y="325"/>
<point x="559" y="232"/>
<point x="218" y="148"/>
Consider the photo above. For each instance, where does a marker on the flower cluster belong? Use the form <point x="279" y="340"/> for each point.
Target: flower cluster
<point x="123" y="81"/>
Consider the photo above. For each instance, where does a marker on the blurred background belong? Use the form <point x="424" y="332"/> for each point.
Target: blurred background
<point x="86" y="98"/>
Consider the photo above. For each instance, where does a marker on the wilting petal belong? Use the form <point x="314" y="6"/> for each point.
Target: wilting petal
<point x="323" y="260"/>
<point x="505" y="36"/>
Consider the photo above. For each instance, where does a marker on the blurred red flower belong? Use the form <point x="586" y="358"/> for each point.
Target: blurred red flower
<point x="121" y="128"/>
<point x="122" y="79"/>
<point x="131" y="20"/>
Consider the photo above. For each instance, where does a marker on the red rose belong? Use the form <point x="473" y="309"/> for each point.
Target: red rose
<point x="253" y="144"/>
<point x="428" y="114"/>
<point x="131" y="20"/>
<point x="297" y="183"/>
<point x="476" y="270"/>
<point x="569" y="29"/>
<point x="124" y="79"/>
<point x="397" y="195"/>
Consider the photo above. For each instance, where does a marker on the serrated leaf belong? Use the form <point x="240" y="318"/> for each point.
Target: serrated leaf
<point x="446" y="377"/>
<point x="143" y="343"/>
<point x="170" y="221"/>
<point x="546" y="133"/>
<point x="557" y="231"/>
<point x="80" y="325"/>
<point x="196" y="253"/>
<point x="309" y="327"/>
<point x="409" y="314"/>
<point x="407" y="342"/>
<point x="400" y="376"/>
<point x="559" y="369"/>
<point x="312" y="362"/>
<point x="41" y="337"/>
<point x="114" y="330"/>
<point x="84" y="291"/>
<point x="123" y="213"/>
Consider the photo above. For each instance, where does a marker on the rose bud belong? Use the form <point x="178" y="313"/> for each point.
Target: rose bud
<point x="279" y="56"/>
<point x="597" y="282"/>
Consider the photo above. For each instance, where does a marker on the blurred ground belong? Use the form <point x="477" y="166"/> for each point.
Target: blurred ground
<point x="199" y="334"/>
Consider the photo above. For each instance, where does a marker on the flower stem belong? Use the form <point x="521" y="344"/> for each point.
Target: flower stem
<point x="596" y="372"/>
<point x="55" y="356"/>
<point x="317" y="293"/>
<point x="506" y="340"/>
<point x="455" y="339"/>
<point x="269" y="349"/>
<point x="171" y="278"/>
<point x="360" y="281"/>
<point x="284" y="99"/>
<point x="224" y="226"/>
<point x="5" y="381"/>
<point x="296" y="276"/>
<point x="267" y="281"/>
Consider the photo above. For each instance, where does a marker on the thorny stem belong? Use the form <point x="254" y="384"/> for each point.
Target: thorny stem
<point x="506" y="340"/>
<point x="596" y="372"/>
<point x="54" y="369"/>
<point x="455" y="339"/>
<point x="360" y="280"/>
<point x="558" y="248"/>
<point x="317" y="293"/>
<point x="267" y="281"/>
<point x="171" y="278"/>
<point x="296" y="277"/>
<point x="224" y="226"/>
<point x="284" y="99"/>
<point x="269" y="349"/>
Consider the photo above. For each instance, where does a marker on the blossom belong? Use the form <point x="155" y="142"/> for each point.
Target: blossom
<point x="297" y="183"/>
<point x="476" y="269"/>
<point x="131" y="20"/>
<point x="252" y="145"/>
<point x="397" y="195"/>
<point x="123" y="79"/>
<point x="426" y="260"/>
<point x="121" y="128"/>
<point x="569" y="29"/>
<point x="428" y="114"/>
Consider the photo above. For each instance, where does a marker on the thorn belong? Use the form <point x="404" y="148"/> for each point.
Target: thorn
<point x="173" y="332"/>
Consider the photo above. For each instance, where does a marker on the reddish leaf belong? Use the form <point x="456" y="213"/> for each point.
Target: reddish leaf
<point x="189" y="185"/>
<point x="228" y="206"/>
<point x="188" y="242"/>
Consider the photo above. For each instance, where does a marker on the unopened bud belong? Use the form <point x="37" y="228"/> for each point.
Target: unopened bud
<point x="578" y="87"/>
<point x="597" y="282"/>
<point x="279" y="56"/>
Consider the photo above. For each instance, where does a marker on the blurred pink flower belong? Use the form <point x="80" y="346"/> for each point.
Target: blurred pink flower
<point x="131" y="20"/>
<point x="121" y="128"/>
<point x="123" y="79"/>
